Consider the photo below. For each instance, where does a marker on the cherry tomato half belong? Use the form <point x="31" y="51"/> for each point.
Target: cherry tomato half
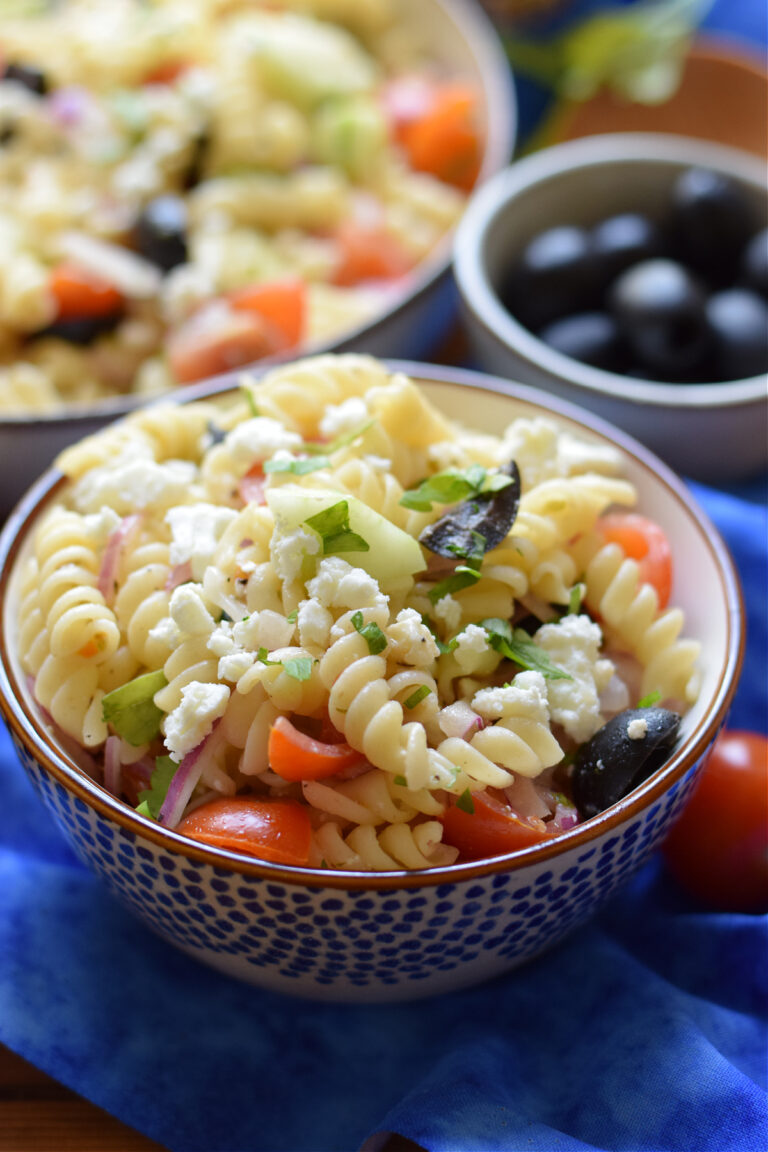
<point x="645" y="542"/>
<point x="718" y="850"/>
<point x="493" y="829"/>
<point x="277" y="830"/>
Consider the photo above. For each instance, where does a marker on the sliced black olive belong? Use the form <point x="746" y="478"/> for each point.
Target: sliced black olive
<point x="489" y="515"/>
<point x="83" y="331"/>
<point x="592" y="337"/>
<point x="738" y="320"/>
<point x="659" y="308"/>
<point x="554" y="276"/>
<point x="215" y="433"/>
<point x="754" y="263"/>
<point x="711" y="220"/>
<point x="196" y="166"/>
<point x="613" y="763"/>
<point x="28" y="76"/>
<point x="160" y="232"/>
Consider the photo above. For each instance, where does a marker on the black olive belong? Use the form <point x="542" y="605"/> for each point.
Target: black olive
<point x="592" y="337"/>
<point x="621" y="241"/>
<point x="28" y="76"/>
<point x="710" y="222"/>
<point x="754" y="263"/>
<point x="554" y="276"/>
<point x="738" y="320"/>
<point x="196" y="166"/>
<point x="660" y="311"/>
<point x="82" y="331"/>
<point x="160" y="232"/>
<point x="610" y="765"/>
<point x="489" y="515"/>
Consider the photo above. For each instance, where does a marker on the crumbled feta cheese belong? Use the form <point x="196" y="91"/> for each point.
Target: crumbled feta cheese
<point x="259" y="439"/>
<point x="378" y="463"/>
<point x="573" y="644"/>
<point x="471" y="644"/>
<point x="235" y="665"/>
<point x="577" y="456"/>
<point x="188" y="610"/>
<point x="339" y="419"/>
<point x="525" y="696"/>
<point x="195" y="533"/>
<point x="129" y="485"/>
<point x="272" y="630"/>
<point x="339" y="585"/>
<point x="637" y="729"/>
<point x="314" y="623"/>
<point x="100" y="525"/>
<point x="289" y="549"/>
<point x="193" y="719"/>
<point x="411" y="642"/>
<point x="449" y="611"/>
<point x="221" y="641"/>
<point x="532" y="444"/>
<point x="166" y="632"/>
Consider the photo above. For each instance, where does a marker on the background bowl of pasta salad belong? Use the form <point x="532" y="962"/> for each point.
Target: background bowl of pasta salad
<point x="190" y="186"/>
<point x="364" y="681"/>
<point x="684" y="372"/>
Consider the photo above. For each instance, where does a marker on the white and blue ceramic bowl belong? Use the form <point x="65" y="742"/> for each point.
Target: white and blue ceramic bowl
<point x="461" y="40"/>
<point x="396" y="935"/>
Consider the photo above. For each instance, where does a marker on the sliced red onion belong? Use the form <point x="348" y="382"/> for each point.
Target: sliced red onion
<point x="460" y="720"/>
<point x="118" y="539"/>
<point x="566" y="816"/>
<point x="184" y="782"/>
<point x="527" y="799"/>
<point x="112" y="765"/>
<point x="68" y="106"/>
<point x="179" y="574"/>
<point x="251" y="488"/>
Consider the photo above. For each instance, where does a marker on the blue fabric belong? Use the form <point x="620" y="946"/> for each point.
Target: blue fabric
<point x="646" y="1031"/>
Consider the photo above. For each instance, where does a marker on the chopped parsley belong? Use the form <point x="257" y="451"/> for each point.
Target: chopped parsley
<point x="515" y="644"/>
<point x="451" y="486"/>
<point x="442" y="648"/>
<point x="332" y="526"/>
<point x="466" y="803"/>
<point x="292" y="617"/>
<point x="160" y="781"/>
<point x="401" y="780"/>
<point x="131" y="709"/>
<point x="371" y="633"/>
<point x="649" y="700"/>
<point x="297" y="667"/>
<point x="463" y="576"/>
<point x="574" y="600"/>
<point x="416" y="697"/>
<point x="296" y="466"/>
<point x="250" y="400"/>
<point x="315" y="449"/>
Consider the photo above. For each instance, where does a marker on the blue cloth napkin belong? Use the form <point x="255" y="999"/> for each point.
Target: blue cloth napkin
<point x="645" y="1031"/>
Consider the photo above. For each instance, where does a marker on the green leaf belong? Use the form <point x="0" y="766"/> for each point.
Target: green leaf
<point x="463" y="577"/>
<point x="416" y="697"/>
<point x="574" y="600"/>
<point x="340" y="442"/>
<point x="517" y="645"/>
<point x="371" y="633"/>
<point x="298" y="467"/>
<point x="442" y="648"/>
<point x="292" y="617"/>
<point x="143" y="810"/>
<point x="131" y="710"/>
<point x="250" y="400"/>
<point x="298" y="667"/>
<point x="160" y="782"/>
<point x="401" y="780"/>
<point x="332" y="526"/>
<point x="466" y="803"/>
<point x="649" y="700"/>
<point x="451" y="487"/>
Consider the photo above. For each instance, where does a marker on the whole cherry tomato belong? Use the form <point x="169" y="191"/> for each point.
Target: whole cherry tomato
<point x="718" y="850"/>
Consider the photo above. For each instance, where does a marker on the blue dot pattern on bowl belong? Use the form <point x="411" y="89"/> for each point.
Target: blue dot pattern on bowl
<point x="361" y="944"/>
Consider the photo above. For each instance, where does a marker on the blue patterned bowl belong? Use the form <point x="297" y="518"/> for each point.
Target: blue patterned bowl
<point x="395" y="935"/>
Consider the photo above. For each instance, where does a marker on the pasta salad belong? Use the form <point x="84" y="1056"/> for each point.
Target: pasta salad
<point x="318" y="622"/>
<point x="188" y="186"/>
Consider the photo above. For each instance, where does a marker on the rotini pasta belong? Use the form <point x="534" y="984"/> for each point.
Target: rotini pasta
<point x="187" y="186"/>
<point x="372" y="651"/>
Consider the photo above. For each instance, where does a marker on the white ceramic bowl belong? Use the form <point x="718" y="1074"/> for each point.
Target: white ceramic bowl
<point x="711" y="432"/>
<point x="460" y="38"/>
<point x="391" y="935"/>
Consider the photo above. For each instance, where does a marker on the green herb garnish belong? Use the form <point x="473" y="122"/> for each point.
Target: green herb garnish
<point x="292" y="617"/>
<point x="574" y="600"/>
<point x="515" y="644"/>
<point x="401" y="780"/>
<point x="297" y="667"/>
<point x="466" y="803"/>
<point x="131" y="710"/>
<point x="332" y="525"/>
<point x="463" y="576"/>
<point x="342" y="441"/>
<point x="297" y="467"/>
<point x="371" y="633"/>
<point x="450" y="487"/>
<point x="649" y="700"/>
<point x="442" y="648"/>
<point x="416" y="697"/>
<point x="250" y="400"/>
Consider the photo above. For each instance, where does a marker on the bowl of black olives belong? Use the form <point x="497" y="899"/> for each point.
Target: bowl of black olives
<point x="629" y="273"/>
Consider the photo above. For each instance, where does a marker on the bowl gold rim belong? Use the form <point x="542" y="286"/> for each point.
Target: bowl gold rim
<point x="487" y="52"/>
<point x="29" y="730"/>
